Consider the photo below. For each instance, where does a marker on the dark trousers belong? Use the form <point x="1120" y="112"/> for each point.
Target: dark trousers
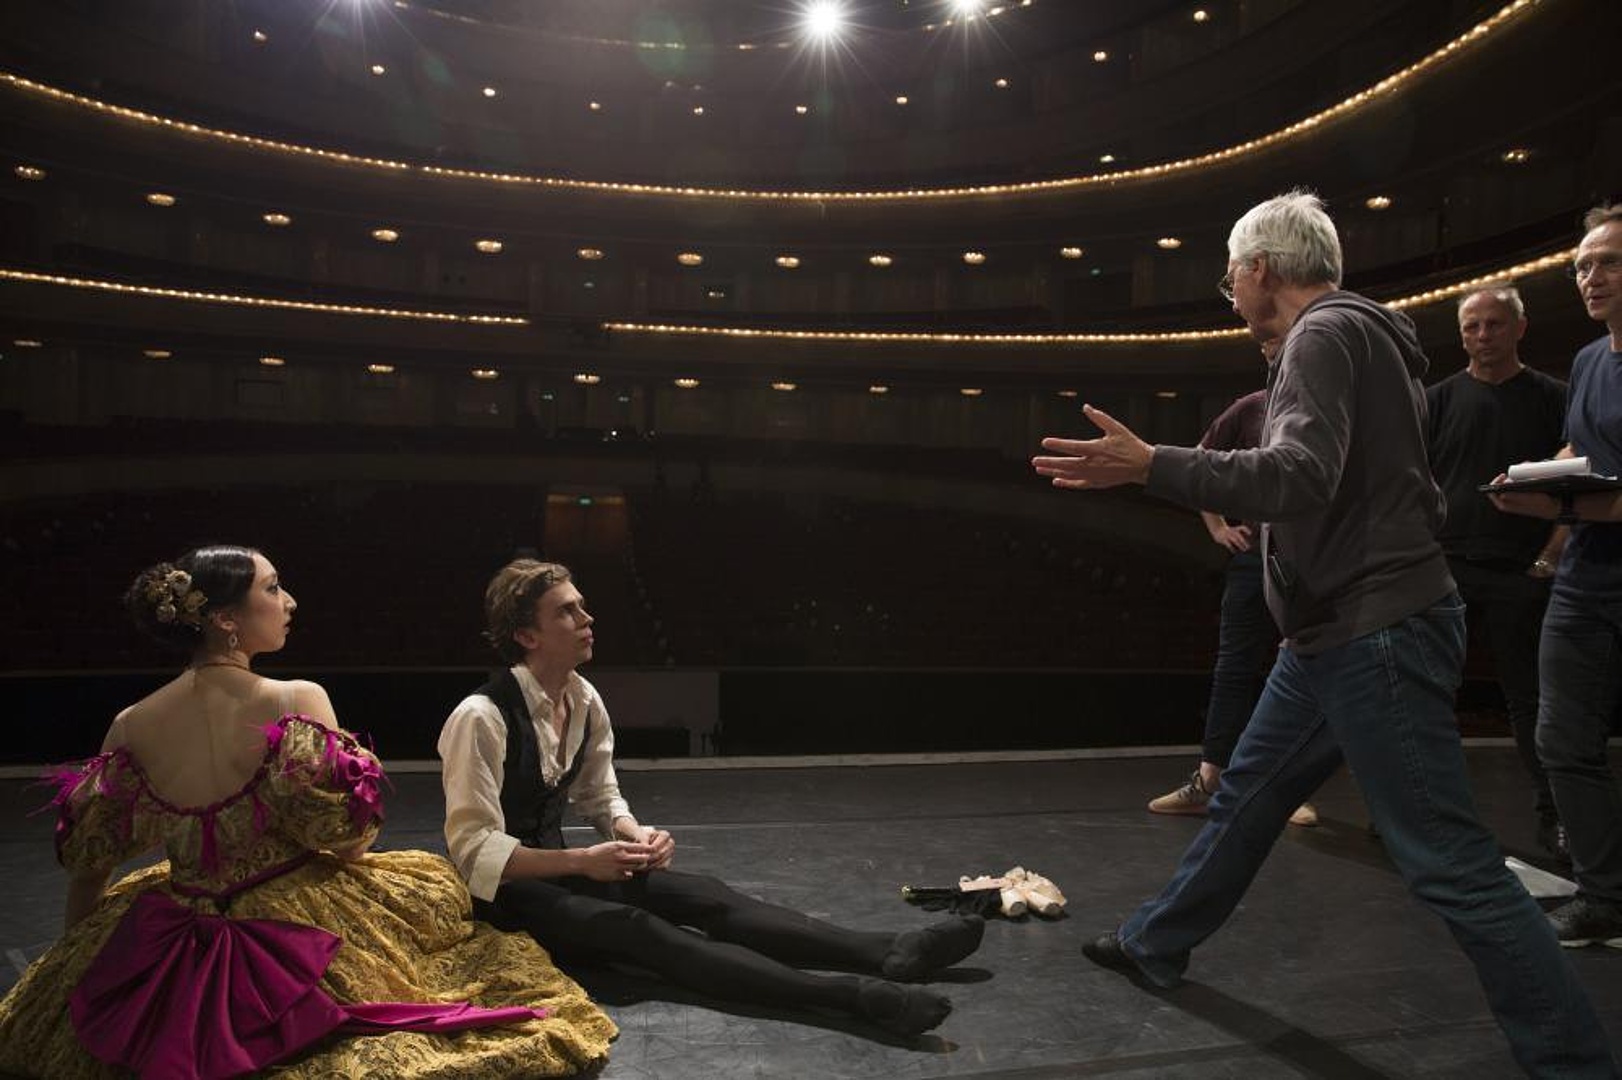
<point x="1507" y="606"/>
<point x="748" y="950"/>
<point x="1246" y="639"/>
<point x="1581" y="663"/>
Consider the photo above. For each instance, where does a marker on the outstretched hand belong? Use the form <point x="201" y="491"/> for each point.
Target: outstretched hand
<point x="1118" y="457"/>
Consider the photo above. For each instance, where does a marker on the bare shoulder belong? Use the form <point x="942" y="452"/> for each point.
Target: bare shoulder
<point x="117" y="731"/>
<point x="307" y="699"/>
<point x="136" y="718"/>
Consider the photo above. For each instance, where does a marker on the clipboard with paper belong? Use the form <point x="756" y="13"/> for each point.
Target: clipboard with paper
<point x="1562" y="476"/>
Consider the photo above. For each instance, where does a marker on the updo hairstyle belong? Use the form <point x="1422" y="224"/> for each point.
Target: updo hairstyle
<point x="170" y="601"/>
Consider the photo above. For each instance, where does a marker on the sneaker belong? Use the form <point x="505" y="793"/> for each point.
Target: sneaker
<point x="1188" y="799"/>
<point x="1587" y="921"/>
<point x="1305" y="816"/>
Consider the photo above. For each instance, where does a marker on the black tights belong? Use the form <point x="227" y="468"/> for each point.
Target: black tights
<point x="750" y="951"/>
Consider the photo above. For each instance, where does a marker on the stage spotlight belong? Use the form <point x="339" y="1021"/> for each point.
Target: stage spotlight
<point x="966" y="9"/>
<point x="824" y="19"/>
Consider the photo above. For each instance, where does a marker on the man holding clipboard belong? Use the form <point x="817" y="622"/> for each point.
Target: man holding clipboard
<point x="1580" y="656"/>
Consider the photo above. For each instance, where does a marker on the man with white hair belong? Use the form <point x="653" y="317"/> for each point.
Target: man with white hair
<point x="1373" y="636"/>
<point x="1495" y="412"/>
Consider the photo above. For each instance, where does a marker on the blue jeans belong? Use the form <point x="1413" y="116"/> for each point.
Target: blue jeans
<point x="1245" y="638"/>
<point x="1581" y="662"/>
<point x="1383" y="703"/>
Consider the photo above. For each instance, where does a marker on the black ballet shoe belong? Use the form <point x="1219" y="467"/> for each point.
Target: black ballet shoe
<point x="905" y="1010"/>
<point x="917" y="953"/>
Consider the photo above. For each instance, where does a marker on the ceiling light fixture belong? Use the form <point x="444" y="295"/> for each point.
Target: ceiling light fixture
<point x="379" y="69"/>
<point x="685" y="383"/>
<point x="1100" y="56"/>
<point x="485" y="373"/>
<point x="29" y="172"/>
<point x="1516" y="155"/>
<point x="380" y="369"/>
<point x="156" y="354"/>
<point x="785" y="387"/>
<point x="878" y="389"/>
<point x="1169" y="243"/>
<point x="788" y="262"/>
<point x="385" y="236"/>
<point x="974" y="258"/>
<point x="880" y="260"/>
<point x="1072" y="252"/>
<point x="587" y="378"/>
<point x="1378" y="202"/>
<point x="590" y="254"/>
<point x="489" y="247"/>
<point x="1489" y="29"/>
<point x="823" y="20"/>
<point x="690" y="258"/>
<point x="277" y="219"/>
<point x="160" y="198"/>
<point x="489" y="91"/>
<point x="272" y="361"/>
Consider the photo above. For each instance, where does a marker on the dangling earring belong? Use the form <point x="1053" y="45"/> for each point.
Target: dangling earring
<point x="231" y="642"/>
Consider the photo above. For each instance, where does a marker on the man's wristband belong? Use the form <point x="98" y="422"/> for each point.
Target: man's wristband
<point x="1568" y="510"/>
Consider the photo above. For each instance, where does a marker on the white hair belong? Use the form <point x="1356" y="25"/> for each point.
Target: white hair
<point x="1295" y="234"/>
<point x="1504" y="294"/>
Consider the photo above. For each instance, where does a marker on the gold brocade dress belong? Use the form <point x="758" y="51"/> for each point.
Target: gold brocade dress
<point x="264" y="853"/>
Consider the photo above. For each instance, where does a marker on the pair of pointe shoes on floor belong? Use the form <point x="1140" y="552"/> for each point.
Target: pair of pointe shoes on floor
<point x="1191" y="799"/>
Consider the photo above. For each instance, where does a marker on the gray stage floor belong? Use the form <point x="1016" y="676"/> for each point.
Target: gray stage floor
<point x="1327" y="970"/>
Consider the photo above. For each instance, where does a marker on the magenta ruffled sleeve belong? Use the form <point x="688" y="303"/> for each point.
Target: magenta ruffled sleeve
<point x="329" y="788"/>
<point x="96" y="823"/>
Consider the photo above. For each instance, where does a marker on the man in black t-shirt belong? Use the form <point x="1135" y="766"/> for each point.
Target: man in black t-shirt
<point x="1496" y="412"/>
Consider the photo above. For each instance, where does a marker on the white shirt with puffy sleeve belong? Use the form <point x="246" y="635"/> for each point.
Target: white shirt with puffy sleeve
<point x="473" y="747"/>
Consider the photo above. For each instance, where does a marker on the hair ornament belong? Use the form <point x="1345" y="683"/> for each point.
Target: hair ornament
<point x="173" y="599"/>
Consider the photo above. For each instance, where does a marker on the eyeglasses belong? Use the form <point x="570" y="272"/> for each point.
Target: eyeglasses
<point x="1583" y="269"/>
<point x="1225" y="286"/>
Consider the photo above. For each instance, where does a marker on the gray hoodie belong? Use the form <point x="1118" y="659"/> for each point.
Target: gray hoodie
<point x="1341" y="482"/>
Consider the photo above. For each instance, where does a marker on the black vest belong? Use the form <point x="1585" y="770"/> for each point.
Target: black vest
<point x="532" y="807"/>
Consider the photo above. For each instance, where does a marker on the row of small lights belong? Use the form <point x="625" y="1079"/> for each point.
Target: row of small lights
<point x="489" y="246"/>
<point x="1356" y="102"/>
<point x="1431" y="296"/>
<point x="583" y="378"/>
<point x="30" y="277"/>
<point x="693" y="258"/>
<point x="1517" y="155"/>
